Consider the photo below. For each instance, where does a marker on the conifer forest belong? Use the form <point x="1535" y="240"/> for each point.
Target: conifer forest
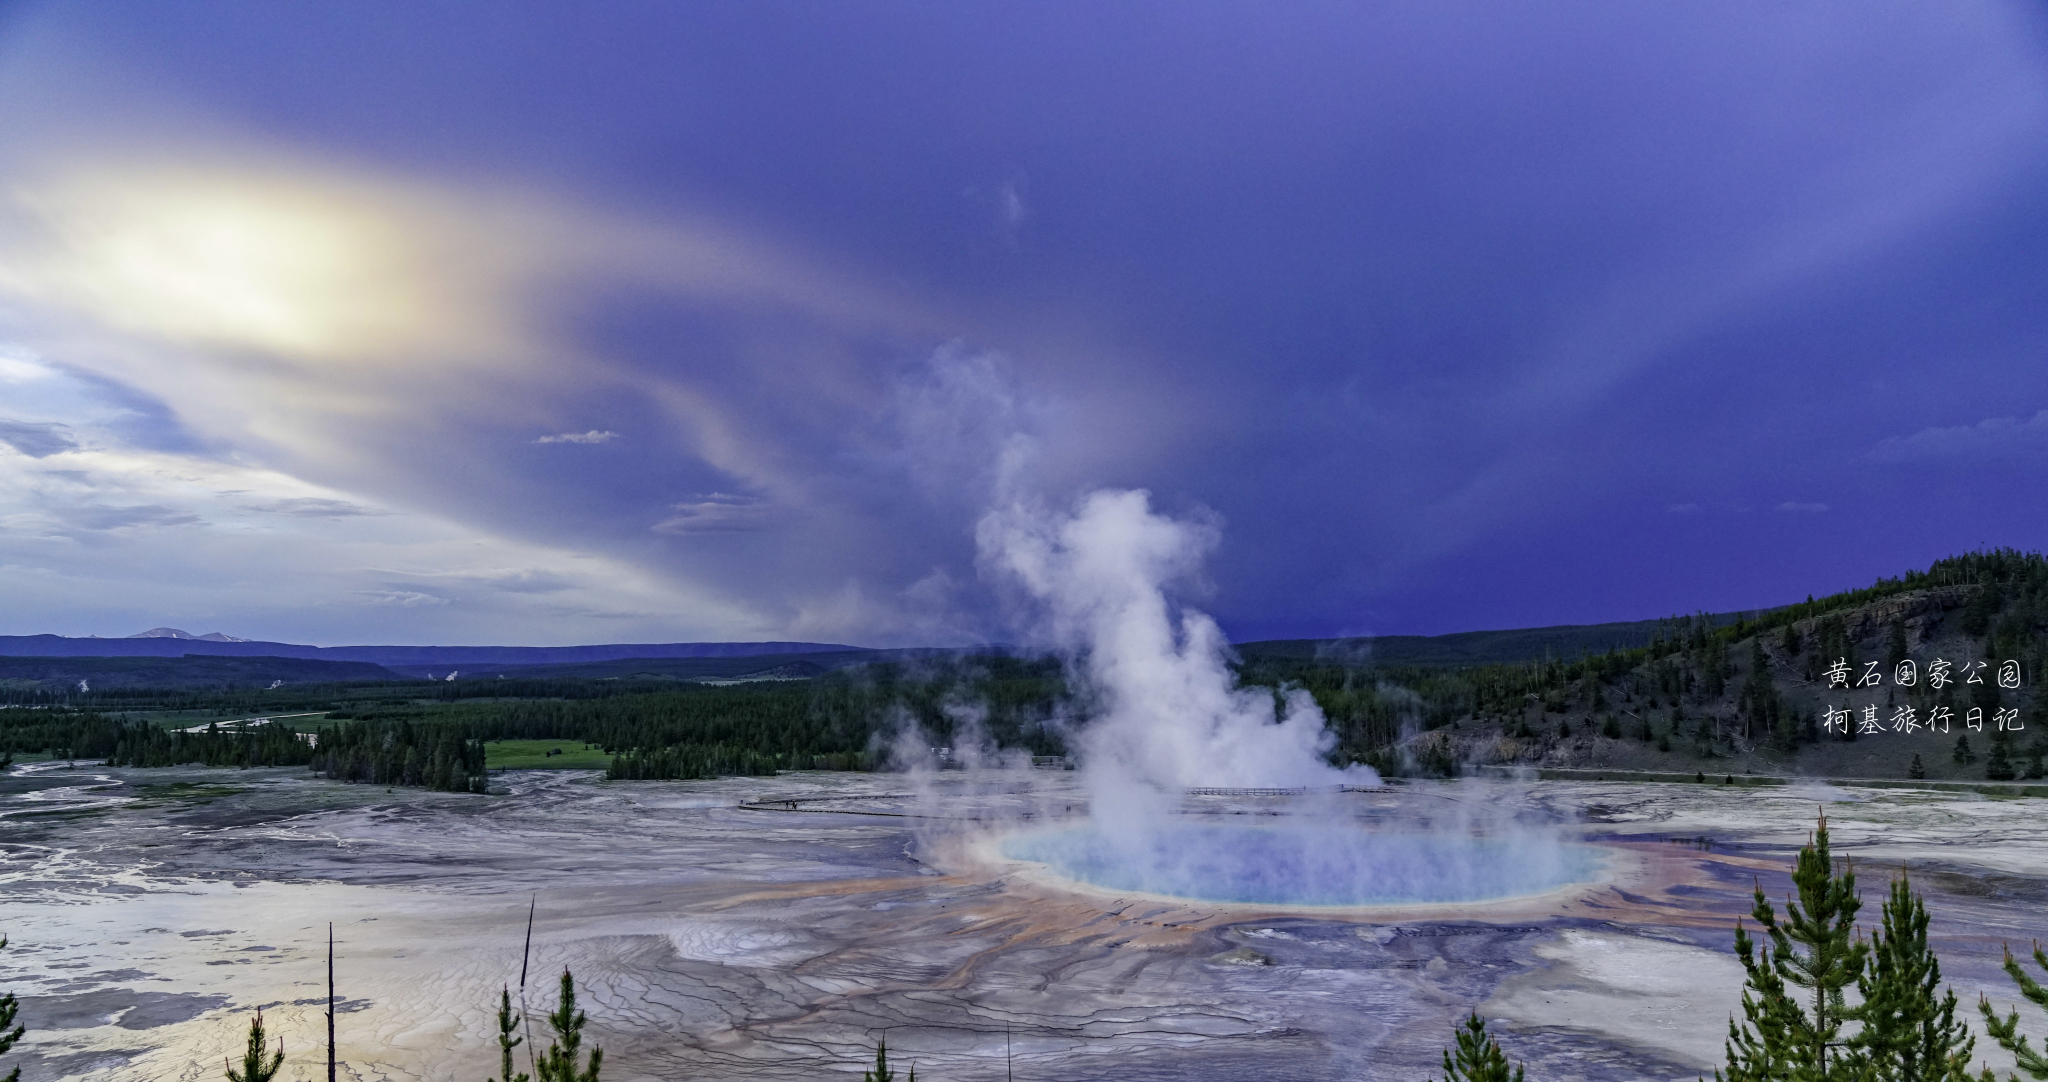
<point x="1807" y="688"/>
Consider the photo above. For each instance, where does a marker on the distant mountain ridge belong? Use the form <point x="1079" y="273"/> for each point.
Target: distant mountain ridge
<point x="760" y="666"/>
<point x="1458" y="648"/>
<point x="174" y="633"/>
<point x="189" y="671"/>
<point x="153" y="644"/>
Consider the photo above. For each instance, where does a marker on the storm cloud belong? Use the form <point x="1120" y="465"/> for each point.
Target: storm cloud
<point x="731" y="322"/>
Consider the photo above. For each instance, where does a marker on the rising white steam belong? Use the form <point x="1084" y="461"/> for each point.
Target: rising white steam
<point x="1168" y="714"/>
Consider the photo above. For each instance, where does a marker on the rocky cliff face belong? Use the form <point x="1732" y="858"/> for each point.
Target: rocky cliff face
<point x="1920" y="610"/>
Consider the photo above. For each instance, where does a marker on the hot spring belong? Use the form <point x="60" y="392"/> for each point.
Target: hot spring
<point x="1310" y="866"/>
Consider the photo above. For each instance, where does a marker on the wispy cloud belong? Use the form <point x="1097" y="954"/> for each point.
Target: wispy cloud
<point x="1802" y="508"/>
<point x="523" y="581"/>
<point x="299" y="317"/>
<point x="37" y="439"/>
<point x="719" y="512"/>
<point x="139" y="516"/>
<point x="1998" y="437"/>
<point x="107" y="538"/>
<point x="592" y="436"/>
<point x="405" y="599"/>
<point x="312" y="507"/>
<point x="1010" y="210"/>
<point x="516" y="580"/>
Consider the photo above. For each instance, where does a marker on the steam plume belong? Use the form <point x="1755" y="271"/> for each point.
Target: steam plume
<point x="1168" y="712"/>
<point x="1168" y="715"/>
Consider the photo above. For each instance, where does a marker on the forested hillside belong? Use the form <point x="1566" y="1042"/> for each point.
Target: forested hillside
<point x="1928" y="674"/>
<point x="1755" y="694"/>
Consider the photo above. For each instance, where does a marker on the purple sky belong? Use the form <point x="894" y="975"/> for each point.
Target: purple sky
<point x="462" y="323"/>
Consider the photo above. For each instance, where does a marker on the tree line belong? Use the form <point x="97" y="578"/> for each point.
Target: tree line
<point x="439" y="757"/>
<point x="389" y="735"/>
<point x="1700" y="687"/>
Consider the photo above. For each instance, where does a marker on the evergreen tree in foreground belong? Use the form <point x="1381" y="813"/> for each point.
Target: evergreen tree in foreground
<point x="8" y="1009"/>
<point x="2006" y="1031"/>
<point x="255" y="1066"/>
<point x="1794" y="1003"/>
<point x="1813" y="949"/>
<point x="1478" y="1058"/>
<point x="1910" y="1032"/>
<point x="558" y="1063"/>
<point x="882" y="1071"/>
<point x="508" y="1025"/>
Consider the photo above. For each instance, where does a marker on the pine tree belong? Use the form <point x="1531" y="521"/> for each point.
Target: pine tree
<point x="1759" y="700"/>
<point x="1760" y="1048"/>
<point x="255" y="1067"/>
<point x="1984" y="603"/>
<point x="882" y="1071"/>
<point x="1478" y="1058"/>
<point x="1910" y="1032"/>
<point x="1917" y="769"/>
<point x="2006" y="1031"/>
<point x="508" y="1026"/>
<point x="558" y="1063"/>
<point x="1998" y="764"/>
<point x="8" y="1009"/>
<point x="1780" y="1038"/>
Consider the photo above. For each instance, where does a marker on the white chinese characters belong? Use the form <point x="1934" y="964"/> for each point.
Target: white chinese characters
<point x="1907" y="674"/>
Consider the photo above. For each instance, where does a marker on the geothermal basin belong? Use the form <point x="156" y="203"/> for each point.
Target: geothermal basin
<point x="777" y="928"/>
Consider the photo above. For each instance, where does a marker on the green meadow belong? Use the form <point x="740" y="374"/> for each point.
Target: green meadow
<point x="535" y="755"/>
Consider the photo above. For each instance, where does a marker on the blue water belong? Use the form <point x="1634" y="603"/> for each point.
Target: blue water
<point x="1334" y="866"/>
